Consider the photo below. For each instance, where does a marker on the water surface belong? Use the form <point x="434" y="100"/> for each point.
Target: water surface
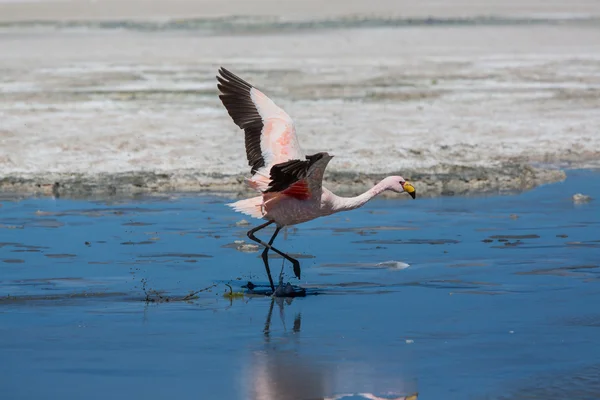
<point x="483" y="297"/>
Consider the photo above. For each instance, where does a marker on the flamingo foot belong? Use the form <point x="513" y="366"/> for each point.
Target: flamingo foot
<point x="288" y="290"/>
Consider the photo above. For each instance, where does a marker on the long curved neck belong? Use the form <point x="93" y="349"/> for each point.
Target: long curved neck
<point x="350" y="203"/>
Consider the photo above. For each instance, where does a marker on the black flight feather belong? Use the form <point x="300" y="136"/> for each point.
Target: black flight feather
<point x="236" y="99"/>
<point x="285" y="174"/>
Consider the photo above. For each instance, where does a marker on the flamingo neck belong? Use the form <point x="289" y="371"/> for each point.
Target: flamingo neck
<point x="351" y="203"/>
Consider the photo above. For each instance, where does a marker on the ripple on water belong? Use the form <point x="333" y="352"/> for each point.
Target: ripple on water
<point x="242" y="246"/>
<point x="471" y="264"/>
<point x="175" y="255"/>
<point x="572" y="270"/>
<point x="13" y="261"/>
<point x="587" y="243"/>
<point x="376" y="229"/>
<point x="21" y="223"/>
<point x="56" y="299"/>
<point x="110" y="211"/>
<point x="3" y="226"/>
<point x="63" y="255"/>
<point x="23" y="248"/>
<point x="392" y="265"/>
<point x="453" y="284"/>
<point x="137" y="224"/>
<point x="526" y="245"/>
<point x="409" y="241"/>
<point x="293" y="255"/>
<point x="515" y="237"/>
<point x="143" y="242"/>
<point x="592" y="321"/>
<point x="580" y="383"/>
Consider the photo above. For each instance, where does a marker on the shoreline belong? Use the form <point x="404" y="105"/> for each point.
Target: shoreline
<point x="446" y="181"/>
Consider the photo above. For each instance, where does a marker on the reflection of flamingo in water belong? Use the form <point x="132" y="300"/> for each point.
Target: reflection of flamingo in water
<point x="370" y="396"/>
<point x="280" y="371"/>
<point x="289" y="181"/>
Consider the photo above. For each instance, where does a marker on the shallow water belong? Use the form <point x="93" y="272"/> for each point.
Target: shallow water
<point x="489" y="297"/>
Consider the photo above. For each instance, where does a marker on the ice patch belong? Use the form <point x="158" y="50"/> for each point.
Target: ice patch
<point x="393" y="264"/>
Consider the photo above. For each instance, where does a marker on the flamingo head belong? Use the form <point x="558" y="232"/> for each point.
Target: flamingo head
<point x="399" y="185"/>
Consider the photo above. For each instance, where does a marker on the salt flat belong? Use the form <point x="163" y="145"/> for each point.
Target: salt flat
<point x="458" y="103"/>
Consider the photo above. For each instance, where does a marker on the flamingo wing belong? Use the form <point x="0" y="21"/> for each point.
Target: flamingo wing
<point x="301" y="179"/>
<point x="269" y="131"/>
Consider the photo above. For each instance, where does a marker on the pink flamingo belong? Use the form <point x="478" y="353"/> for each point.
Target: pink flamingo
<point x="289" y="182"/>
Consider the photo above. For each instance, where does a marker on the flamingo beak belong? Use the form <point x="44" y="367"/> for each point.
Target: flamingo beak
<point x="410" y="189"/>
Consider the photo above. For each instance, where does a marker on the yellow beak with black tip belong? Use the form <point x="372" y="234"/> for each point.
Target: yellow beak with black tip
<point x="410" y="189"/>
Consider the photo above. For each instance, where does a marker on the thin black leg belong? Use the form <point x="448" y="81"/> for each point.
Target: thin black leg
<point x="251" y="233"/>
<point x="265" y="256"/>
<point x="269" y="246"/>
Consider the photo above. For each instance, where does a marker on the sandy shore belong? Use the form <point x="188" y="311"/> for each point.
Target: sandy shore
<point x="449" y="181"/>
<point x="461" y="107"/>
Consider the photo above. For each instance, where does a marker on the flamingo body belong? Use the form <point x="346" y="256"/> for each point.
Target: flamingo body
<point x="289" y="182"/>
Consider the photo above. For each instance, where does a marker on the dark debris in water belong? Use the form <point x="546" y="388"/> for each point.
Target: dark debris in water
<point x="513" y="244"/>
<point x="515" y="237"/>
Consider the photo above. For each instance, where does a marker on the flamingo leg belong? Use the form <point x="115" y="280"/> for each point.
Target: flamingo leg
<point x="250" y="234"/>
<point x="268" y="246"/>
<point x="265" y="257"/>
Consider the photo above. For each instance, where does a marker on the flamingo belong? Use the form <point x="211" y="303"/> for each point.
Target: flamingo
<point x="290" y="182"/>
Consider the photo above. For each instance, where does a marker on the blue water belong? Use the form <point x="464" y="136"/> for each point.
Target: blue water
<point x="500" y="300"/>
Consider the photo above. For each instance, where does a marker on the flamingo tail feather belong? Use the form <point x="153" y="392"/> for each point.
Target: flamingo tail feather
<point x="252" y="207"/>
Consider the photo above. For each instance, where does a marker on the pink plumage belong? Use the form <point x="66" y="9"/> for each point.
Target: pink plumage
<point x="289" y="182"/>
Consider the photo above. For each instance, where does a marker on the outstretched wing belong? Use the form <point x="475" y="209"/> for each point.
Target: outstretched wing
<point x="301" y="179"/>
<point x="270" y="133"/>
